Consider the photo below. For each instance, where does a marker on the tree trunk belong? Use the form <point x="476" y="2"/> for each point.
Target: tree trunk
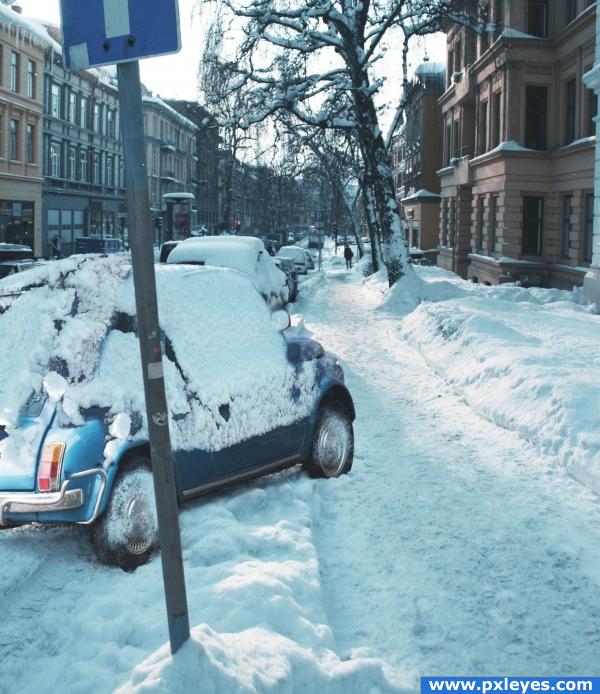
<point x="379" y="179"/>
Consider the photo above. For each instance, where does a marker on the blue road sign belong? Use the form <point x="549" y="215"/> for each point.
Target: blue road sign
<point x="104" y="32"/>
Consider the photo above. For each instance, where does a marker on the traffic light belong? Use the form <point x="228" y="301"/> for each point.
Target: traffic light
<point x="158" y="223"/>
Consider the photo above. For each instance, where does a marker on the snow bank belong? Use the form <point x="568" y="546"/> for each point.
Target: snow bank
<point x="525" y="359"/>
<point x="254" y="595"/>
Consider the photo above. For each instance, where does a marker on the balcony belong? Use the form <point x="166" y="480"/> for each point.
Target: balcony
<point x="167" y="175"/>
<point x="167" y="146"/>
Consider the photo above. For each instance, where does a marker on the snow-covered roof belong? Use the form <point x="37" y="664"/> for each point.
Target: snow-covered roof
<point x="157" y="101"/>
<point x="422" y="194"/>
<point x="510" y="33"/>
<point x="28" y="28"/>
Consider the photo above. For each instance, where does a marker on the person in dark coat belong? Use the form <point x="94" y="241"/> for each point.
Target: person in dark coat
<point x="348" y="254"/>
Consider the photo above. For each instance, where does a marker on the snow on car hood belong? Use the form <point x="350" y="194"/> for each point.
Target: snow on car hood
<point x="226" y="373"/>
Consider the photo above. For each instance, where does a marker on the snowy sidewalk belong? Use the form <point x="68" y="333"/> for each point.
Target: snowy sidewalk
<point x="454" y="547"/>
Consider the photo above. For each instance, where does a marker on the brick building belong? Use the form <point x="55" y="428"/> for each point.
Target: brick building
<point x="517" y="180"/>
<point x="22" y="48"/>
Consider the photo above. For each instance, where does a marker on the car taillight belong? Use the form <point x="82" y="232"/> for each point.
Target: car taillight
<point x="50" y="467"/>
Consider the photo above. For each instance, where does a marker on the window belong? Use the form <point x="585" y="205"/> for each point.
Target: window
<point x="458" y="57"/>
<point x="592" y="112"/>
<point x="570" y="105"/>
<point x="30" y="79"/>
<point x="84" y="108"/>
<point x="493" y="223"/>
<point x="448" y="150"/>
<point x="450" y="66"/>
<point x="83" y="165"/>
<point x="55" y="156"/>
<point x="110" y="122"/>
<point x="566" y="225"/>
<point x="14" y="71"/>
<point x="72" y="107"/>
<point x="14" y="139"/>
<point x="109" y="170"/>
<point x="571" y="10"/>
<point x="536" y="101"/>
<point x="483" y="131"/>
<point x="484" y="43"/>
<point x="496" y="119"/>
<point x="55" y="100"/>
<point x="480" y="225"/>
<point x="97" y="118"/>
<point x="533" y="225"/>
<point x="30" y="143"/>
<point x="456" y="138"/>
<point x="537" y="18"/>
<point x="72" y="163"/>
<point x="589" y="228"/>
<point x="1" y="136"/>
<point x="96" y="168"/>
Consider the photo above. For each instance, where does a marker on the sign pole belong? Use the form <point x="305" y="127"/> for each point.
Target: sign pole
<point x="142" y="260"/>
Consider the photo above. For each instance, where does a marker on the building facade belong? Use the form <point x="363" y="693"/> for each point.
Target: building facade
<point x="206" y="178"/>
<point x="517" y="176"/>
<point x="417" y="156"/>
<point x="172" y="160"/>
<point x="22" y="50"/>
<point x="83" y="157"/>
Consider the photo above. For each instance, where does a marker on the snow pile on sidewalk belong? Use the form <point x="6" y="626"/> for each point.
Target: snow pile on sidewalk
<point x="254" y="596"/>
<point x="526" y="359"/>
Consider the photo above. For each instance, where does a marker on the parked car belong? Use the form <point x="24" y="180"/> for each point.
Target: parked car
<point x="10" y="267"/>
<point x="287" y="265"/>
<point x="244" y="253"/>
<point x="297" y="255"/>
<point x="16" y="258"/>
<point x="310" y="262"/>
<point x="244" y="400"/>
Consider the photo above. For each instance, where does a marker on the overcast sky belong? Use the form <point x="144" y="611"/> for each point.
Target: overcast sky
<point x="174" y="76"/>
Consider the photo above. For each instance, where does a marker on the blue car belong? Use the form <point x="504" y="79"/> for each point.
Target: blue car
<point x="244" y="399"/>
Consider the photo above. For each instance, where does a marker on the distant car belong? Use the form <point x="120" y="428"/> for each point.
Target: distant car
<point x="287" y="265"/>
<point x="244" y="253"/>
<point x="417" y="257"/>
<point x="310" y="262"/>
<point x="15" y="251"/>
<point x="244" y="400"/>
<point x="297" y="255"/>
<point x="10" y="267"/>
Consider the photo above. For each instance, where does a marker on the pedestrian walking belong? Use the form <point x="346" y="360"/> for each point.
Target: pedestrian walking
<point x="55" y="247"/>
<point x="348" y="254"/>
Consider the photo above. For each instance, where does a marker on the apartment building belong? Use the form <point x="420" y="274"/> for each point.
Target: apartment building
<point x="22" y="49"/>
<point x="83" y="155"/>
<point x="205" y="184"/>
<point x="517" y="177"/>
<point x="417" y="156"/>
<point x="171" y="148"/>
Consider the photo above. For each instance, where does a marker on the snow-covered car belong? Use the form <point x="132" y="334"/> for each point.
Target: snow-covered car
<point x="287" y="265"/>
<point x="310" y="262"/>
<point x="246" y="254"/>
<point x="243" y="399"/>
<point x="297" y="255"/>
<point x="10" y="267"/>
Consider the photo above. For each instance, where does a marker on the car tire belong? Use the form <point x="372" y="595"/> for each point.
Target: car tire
<point x="332" y="449"/>
<point x="126" y="535"/>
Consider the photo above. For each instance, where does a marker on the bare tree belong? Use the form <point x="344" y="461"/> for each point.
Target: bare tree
<point x="314" y="59"/>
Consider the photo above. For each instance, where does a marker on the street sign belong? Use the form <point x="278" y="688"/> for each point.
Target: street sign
<point x="100" y="32"/>
<point x="104" y="32"/>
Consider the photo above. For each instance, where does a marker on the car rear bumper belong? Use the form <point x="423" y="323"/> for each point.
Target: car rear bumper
<point x="26" y="503"/>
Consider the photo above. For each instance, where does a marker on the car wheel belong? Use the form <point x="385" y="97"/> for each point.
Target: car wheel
<point x="127" y="533"/>
<point x="333" y="443"/>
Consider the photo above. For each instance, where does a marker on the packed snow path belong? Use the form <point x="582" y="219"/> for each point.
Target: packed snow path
<point x="453" y="547"/>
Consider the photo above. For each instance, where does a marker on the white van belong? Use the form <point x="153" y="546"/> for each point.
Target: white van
<point x="297" y="255"/>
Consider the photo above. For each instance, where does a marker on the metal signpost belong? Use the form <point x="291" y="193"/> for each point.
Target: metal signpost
<point x="320" y="225"/>
<point x="101" y="32"/>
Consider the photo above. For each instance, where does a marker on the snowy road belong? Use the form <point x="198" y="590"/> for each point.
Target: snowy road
<point x="454" y="547"/>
